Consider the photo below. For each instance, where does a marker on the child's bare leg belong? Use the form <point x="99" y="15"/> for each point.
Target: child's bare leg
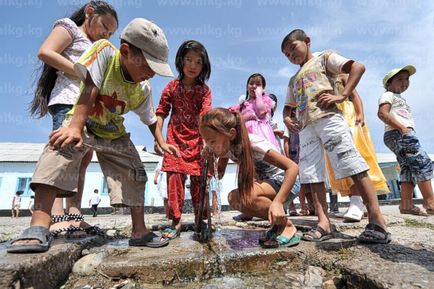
<point x="318" y="192"/>
<point x="138" y="222"/>
<point x="407" y="189"/>
<point x="57" y="207"/>
<point x="425" y="188"/>
<point x="73" y="204"/>
<point x="302" y="199"/>
<point x="44" y="199"/>
<point x="366" y="189"/>
<point x="261" y="199"/>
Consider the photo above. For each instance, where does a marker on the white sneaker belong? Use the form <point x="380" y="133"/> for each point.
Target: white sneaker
<point x="340" y="214"/>
<point x="354" y="214"/>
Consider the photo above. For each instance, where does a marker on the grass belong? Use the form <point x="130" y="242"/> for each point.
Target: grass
<point x="418" y="224"/>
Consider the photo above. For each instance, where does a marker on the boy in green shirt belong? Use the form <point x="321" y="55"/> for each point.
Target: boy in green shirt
<point x="114" y="82"/>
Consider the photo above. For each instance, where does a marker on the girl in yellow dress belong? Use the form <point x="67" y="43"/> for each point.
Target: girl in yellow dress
<point x="352" y="110"/>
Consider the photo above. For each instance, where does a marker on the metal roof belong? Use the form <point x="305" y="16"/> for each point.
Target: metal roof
<point x="30" y="152"/>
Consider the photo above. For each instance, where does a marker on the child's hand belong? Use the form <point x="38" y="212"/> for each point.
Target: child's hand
<point x="360" y="119"/>
<point x="259" y="91"/>
<point x="292" y="124"/>
<point x="327" y="99"/>
<point x="276" y="214"/>
<point x="405" y="130"/>
<point x="64" y="136"/>
<point x="171" y="149"/>
<point x="279" y="133"/>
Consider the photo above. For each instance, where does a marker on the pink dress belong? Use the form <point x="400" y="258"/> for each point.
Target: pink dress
<point x="256" y="112"/>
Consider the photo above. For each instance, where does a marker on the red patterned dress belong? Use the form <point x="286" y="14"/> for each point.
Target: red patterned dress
<point x="186" y="108"/>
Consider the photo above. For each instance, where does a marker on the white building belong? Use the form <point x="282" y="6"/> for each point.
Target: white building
<point x="18" y="160"/>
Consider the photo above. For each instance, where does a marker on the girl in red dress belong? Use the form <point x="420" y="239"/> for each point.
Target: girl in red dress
<point x="187" y="98"/>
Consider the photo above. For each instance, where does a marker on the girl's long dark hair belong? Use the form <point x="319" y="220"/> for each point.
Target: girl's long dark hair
<point x="48" y="76"/>
<point x="198" y="47"/>
<point x="222" y="120"/>
<point x="254" y="75"/>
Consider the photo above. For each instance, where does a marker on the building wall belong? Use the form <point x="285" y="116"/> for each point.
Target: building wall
<point x="11" y="173"/>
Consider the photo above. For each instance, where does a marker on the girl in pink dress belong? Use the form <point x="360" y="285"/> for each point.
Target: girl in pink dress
<point x="256" y="109"/>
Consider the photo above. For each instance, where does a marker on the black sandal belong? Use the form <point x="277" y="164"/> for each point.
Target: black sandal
<point x="374" y="234"/>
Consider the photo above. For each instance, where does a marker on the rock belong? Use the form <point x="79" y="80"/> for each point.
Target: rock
<point x="111" y="233"/>
<point x="313" y="278"/>
<point x="329" y="284"/>
<point x="88" y="264"/>
<point x="85" y="252"/>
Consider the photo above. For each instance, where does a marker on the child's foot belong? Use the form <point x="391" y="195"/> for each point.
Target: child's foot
<point x="319" y="233"/>
<point x="413" y="211"/>
<point x="282" y="238"/>
<point x="173" y="231"/>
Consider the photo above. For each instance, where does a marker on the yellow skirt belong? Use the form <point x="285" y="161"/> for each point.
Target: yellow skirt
<point x="363" y="142"/>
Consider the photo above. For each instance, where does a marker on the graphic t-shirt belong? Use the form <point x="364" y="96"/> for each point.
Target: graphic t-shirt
<point x="116" y="95"/>
<point x="315" y="77"/>
<point x="399" y="109"/>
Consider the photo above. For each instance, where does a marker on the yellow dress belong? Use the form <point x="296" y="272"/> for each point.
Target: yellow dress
<point x="363" y="142"/>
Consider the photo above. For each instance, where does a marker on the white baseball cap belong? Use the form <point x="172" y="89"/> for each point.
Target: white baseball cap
<point x="149" y="38"/>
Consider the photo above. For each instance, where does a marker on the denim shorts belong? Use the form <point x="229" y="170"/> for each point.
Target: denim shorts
<point x="58" y="112"/>
<point x="416" y="166"/>
<point x="277" y="183"/>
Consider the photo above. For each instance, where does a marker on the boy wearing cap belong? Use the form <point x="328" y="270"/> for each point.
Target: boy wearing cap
<point x="113" y="83"/>
<point x="400" y="138"/>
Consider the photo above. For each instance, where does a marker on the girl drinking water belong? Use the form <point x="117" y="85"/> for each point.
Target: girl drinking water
<point x="58" y="87"/>
<point x="265" y="176"/>
<point x="187" y="98"/>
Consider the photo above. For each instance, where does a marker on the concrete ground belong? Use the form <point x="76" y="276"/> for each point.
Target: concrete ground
<point x="96" y="262"/>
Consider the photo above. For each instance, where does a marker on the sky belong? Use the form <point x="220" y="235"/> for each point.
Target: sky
<point x="242" y="37"/>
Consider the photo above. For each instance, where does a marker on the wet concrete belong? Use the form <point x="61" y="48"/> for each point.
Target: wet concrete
<point x="234" y="257"/>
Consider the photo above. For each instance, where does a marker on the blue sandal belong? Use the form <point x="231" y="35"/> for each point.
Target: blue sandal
<point x="171" y="233"/>
<point x="282" y="242"/>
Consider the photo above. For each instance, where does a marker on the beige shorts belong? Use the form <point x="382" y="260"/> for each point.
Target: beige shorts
<point x="119" y="161"/>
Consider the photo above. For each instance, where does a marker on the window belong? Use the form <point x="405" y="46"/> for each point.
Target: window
<point x="23" y="184"/>
<point x="104" y="190"/>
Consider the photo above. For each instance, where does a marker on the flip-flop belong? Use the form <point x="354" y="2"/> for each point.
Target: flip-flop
<point x="374" y="234"/>
<point x="38" y="233"/>
<point x="150" y="240"/>
<point x="312" y="235"/>
<point x="270" y="234"/>
<point x="282" y="242"/>
<point x="171" y="233"/>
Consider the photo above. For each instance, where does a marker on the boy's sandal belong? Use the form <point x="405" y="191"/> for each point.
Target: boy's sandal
<point x="413" y="211"/>
<point x="374" y="234"/>
<point x="150" y="240"/>
<point x="270" y="234"/>
<point x="430" y="211"/>
<point x="171" y="233"/>
<point x="282" y="241"/>
<point x="38" y="233"/>
<point x="317" y="234"/>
